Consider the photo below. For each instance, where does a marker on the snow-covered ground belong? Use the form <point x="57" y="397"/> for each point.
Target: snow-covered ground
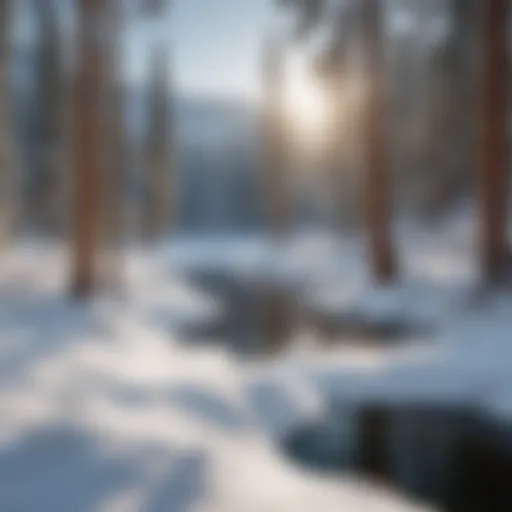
<point x="103" y="408"/>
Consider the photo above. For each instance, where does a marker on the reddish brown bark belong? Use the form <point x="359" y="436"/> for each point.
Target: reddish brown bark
<point x="493" y="139"/>
<point x="376" y="186"/>
<point x="87" y="147"/>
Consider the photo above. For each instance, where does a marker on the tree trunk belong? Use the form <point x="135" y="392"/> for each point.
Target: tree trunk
<point x="87" y="146"/>
<point x="114" y="166"/>
<point x="493" y="143"/>
<point x="45" y="202"/>
<point x="276" y="198"/>
<point x="7" y="144"/>
<point x="158" y="150"/>
<point x="376" y="185"/>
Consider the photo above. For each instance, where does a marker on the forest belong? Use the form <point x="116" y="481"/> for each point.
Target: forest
<point x="255" y="256"/>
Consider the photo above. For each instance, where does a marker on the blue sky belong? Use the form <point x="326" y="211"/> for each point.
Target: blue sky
<point x="216" y="45"/>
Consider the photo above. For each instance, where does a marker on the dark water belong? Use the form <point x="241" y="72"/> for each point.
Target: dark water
<point x="258" y="316"/>
<point x="452" y="458"/>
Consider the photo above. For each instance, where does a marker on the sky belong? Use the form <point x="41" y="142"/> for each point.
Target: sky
<point x="216" y="46"/>
<point x="219" y="43"/>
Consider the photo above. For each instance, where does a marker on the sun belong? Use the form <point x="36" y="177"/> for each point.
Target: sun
<point x="305" y="101"/>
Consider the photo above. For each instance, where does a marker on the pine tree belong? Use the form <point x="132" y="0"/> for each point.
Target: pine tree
<point x="87" y="133"/>
<point x="46" y="191"/>
<point x="376" y="183"/>
<point x="375" y="152"/>
<point x="275" y="143"/>
<point x="115" y="155"/>
<point x="7" y="144"/>
<point x="158" y="149"/>
<point x="493" y="143"/>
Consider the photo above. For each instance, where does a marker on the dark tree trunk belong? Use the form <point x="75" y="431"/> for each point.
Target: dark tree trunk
<point x="87" y="146"/>
<point x="493" y="143"/>
<point x="7" y="161"/>
<point x="377" y="184"/>
<point x="44" y="205"/>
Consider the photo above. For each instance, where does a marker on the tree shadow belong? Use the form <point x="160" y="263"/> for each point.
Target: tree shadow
<point x="39" y="327"/>
<point x="62" y="469"/>
<point x="208" y="407"/>
<point x="181" y="488"/>
<point x="274" y="407"/>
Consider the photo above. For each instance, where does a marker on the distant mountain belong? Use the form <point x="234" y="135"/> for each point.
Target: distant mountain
<point x="218" y="145"/>
<point x="218" y="148"/>
<point x="209" y="122"/>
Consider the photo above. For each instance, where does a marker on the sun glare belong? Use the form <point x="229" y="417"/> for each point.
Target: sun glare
<point x="305" y="102"/>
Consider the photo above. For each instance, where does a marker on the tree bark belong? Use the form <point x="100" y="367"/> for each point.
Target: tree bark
<point x="493" y="139"/>
<point x="376" y="186"/>
<point x="87" y="147"/>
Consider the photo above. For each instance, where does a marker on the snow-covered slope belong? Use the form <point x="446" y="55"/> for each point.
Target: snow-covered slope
<point x="102" y="408"/>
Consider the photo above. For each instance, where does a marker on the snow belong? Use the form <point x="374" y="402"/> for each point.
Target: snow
<point x="460" y="354"/>
<point x="104" y="408"/>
